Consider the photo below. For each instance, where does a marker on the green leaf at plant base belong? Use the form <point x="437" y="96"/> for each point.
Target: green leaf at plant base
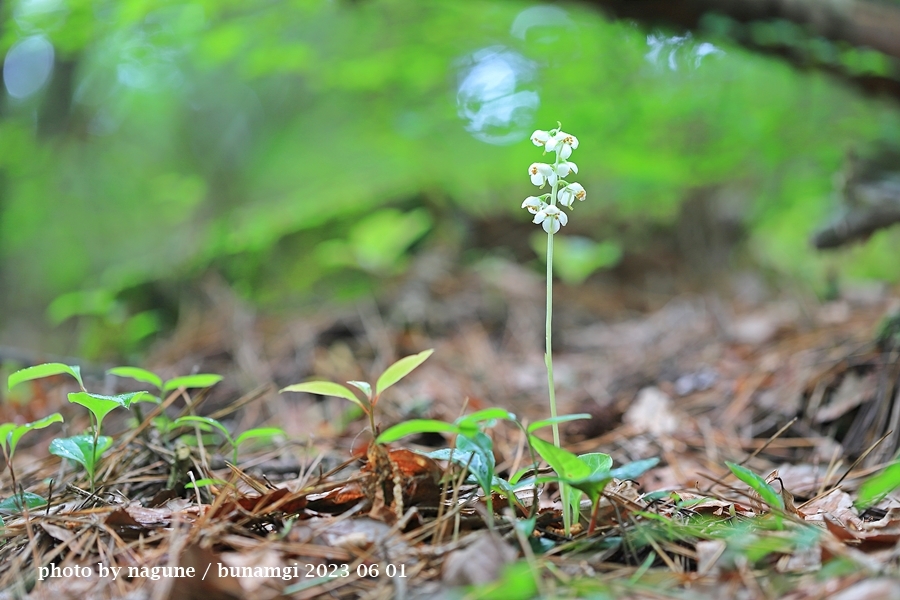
<point x="566" y="464"/>
<point x="399" y="370"/>
<point x="560" y="419"/>
<point x="878" y="486"/>
<point x="259" y="433"/>
<point x="142" y="375"/>
<point x="45" y="370"/>
<point x="327" y="388"/>
<point x="14" y="504"/>
<point x="416" y="426"/>
<point x="201" y="380"/>
<point x="100" y="405"/>
<point x="597" y="462"/>
<point x="481" y="465"/>
<point x="80" y="448"/>
<point x="758" y="485"/>
<point x="14" y="435"/>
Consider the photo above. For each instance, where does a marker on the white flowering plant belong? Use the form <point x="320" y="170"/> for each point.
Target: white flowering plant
<point x="549" y="212"/>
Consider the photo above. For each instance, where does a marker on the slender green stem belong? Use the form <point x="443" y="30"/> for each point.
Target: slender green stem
<point x="548" y="357"/>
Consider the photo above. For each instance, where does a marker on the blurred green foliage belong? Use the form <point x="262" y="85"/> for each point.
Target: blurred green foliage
<point x="280" y="142"/>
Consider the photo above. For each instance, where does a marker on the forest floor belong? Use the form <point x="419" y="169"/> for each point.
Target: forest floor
<point x="803" y="393"/>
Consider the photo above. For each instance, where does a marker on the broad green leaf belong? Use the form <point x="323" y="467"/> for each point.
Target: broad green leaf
<point x="142" y="375"/>
<point x="181" y="421"/>
<point x="416" y="426"/>
<point x="101" y="405"/>
<point x="362" y="386"/>
<point x="80" y="448"/>
<point x="201" y="380"/>
<point x="597" y="462"/>
<point x="14" y="504"/>
<point x="45" y="370"/>
<point x="560" y="419"/>
<point x="399" y="370"/>
<point x="264" y="433"/>
<point x="21" y="430"/>
<point x="878" y="486"/>
<point x="758" y="484"/>
<point x="327" y="388"/>
<point x="566" y="464"/>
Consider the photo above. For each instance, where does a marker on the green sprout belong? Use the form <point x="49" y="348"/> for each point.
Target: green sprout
<point x="210" y="424"/>
<point x="10" y="434"/>
<point x="369" y="399"/>
<point x="98" y="406"/>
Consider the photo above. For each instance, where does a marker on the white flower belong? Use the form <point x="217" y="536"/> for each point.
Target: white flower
<point x="563" y="143"/>
<point x="570" y="193"/>
<point x="563" y="168"/>
<point x="542" y="173"/>
<point x="539" y="137"/>
<point x="534" y="204"/>
<point x="550" y="218"/>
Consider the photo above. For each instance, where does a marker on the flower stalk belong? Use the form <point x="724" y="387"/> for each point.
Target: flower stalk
<point x="547" y="213"/>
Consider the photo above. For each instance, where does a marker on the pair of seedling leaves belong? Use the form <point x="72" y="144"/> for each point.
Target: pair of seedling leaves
<point x="588" y="473"/>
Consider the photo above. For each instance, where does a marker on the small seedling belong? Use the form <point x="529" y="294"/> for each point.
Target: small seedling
<point x="85" y="449"/>
<point x="210" y="424"/>
<point x="474" y="449"/>
<point x="10" y="434"/>
<point x="98" y="405"/>
<point x="369" y="399"/>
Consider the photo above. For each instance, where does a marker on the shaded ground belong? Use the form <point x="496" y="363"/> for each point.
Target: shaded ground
<point x="775" y="381"/>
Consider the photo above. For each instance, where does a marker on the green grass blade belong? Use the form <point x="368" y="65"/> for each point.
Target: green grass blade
<point x="878" y="486"/>
<point x="758" y="485"/>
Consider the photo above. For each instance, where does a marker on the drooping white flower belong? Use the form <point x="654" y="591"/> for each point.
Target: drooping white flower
<point x="563" y="143"/>
<point x="539" y="137"/>
<point x="542" y="173"/>
<point x="534" y="204"/>
<point x="565" y="167"/>
<point x="550" y="218"/>
<point x="570" y="193"/>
